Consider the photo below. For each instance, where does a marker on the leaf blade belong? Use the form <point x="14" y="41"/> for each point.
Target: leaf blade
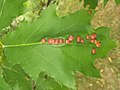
<point x="17" y="78"/>
<point x="92" y="3"/>
<point x="10" y="9"/>
<point x="117" y="1"/>
<point x="45" y="82"/>
<point x="4" y="85"/>
<point x="60" y="62"/>
<point x="105" y="2"/>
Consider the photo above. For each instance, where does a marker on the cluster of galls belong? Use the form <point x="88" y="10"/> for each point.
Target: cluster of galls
<point x="92" y="39"/>
<point x="53" y="41"/>
<point x="57" y="41"/>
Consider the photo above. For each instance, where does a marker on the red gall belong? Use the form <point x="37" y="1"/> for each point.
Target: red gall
<point x="56" y="41"/>
<point x="87" y="37"/>
<point x="93" y="51"/>
<point x="92" y="40"/>
<point x="98" y="44"/>
<point x="67" y="42"/>
<point x="94" y="35"/>
<point x="43" y="40"/>
<point x="49" y="41"/>
<point x="71" y="38"/>
<point x="82" y="41"/>
<point x="89" y="12"/>
<point x="78" y="39"/>
<point x="61" y="41"/>
<point x="52" y="41"/>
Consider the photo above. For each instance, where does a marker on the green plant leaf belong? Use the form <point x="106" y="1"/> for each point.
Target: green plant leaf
<point x="117" y="1"/>
<point x="4" y="85"/>
<point x="92" y="3"/>
<point x="45" y="82"/>
<point x="17" y="78"/>
<point x="10" y="9"/>
<point x="105" y="2"/>
<point x="58" y="61"/>
<point x="0" y="70"/>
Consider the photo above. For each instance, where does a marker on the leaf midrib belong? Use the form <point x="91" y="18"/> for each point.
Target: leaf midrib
<point x="40" y="43"/>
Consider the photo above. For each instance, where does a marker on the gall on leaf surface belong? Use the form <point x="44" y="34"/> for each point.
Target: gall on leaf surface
<point x="10" y="9"/>
<point x="59" y="61"/>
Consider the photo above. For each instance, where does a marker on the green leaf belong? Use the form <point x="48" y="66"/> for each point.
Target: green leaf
<point x="117" y="1"/>
<point x="92" y="3"/>
<point x="4" y="85"/>
<point x="105" y="2"/>
<point x="17" y="78"/>
<point x="45" y="82"/>
<point x="80" y="0"/>
<point x="0" y="70"/>
<point x="58" y="61"/>
<point x="9" y="9"/>
<point x="107" y="43"/>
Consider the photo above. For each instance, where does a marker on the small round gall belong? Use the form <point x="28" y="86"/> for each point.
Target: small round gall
<point x="92" y="40"/>
<point x="89" y="12"/>
<point x="49" y="41"/>
<point x="94" y="35"/>
<point x="61" y="41"/>
<point x="82" y="41"/>
<point x="52" y="41"/>
<point x="71" y="38"/>
<point x="43" y="40"/>
<point x="67" y="42"/>
<point x="87" y="37"/>
<point x="93" y="51"/>
<point x="98" y="44"/>
<point x="56" y="41"/>
<point x="78" y="39"/>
